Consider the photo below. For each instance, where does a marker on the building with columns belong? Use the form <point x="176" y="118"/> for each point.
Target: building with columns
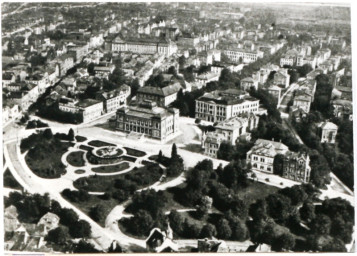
<point x="148" y="119"/>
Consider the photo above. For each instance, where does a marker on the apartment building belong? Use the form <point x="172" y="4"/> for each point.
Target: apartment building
<point x="221" y="105"/>
<point x="229" y="130"/>
<point x="144" y="45"/>
<point x="162" y="96"/>
<point x="261" y="155"/>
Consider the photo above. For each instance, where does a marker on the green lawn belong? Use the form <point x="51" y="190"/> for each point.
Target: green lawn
<point x="134" y="152"/>
<point x="99" y="143"/>
<point x="140" y="177"/>
<point x="45" y="158"/>
<point x="76" y="159"/>
<point x="79" y="171"/>
<point x="112" y="168"/>
<point x="256" y="190"/>
<point x="10" y="181"/>
<point x="107" y="206"/>
<point x="80" y="138"/>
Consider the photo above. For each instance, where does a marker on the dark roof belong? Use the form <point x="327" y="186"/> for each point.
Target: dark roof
<point x="166" y="91"/>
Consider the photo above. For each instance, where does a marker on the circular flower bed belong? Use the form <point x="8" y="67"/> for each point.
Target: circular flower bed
<point x="108" y="152"/>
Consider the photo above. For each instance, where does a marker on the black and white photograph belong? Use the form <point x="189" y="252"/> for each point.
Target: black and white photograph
<point x="177" y="127"/>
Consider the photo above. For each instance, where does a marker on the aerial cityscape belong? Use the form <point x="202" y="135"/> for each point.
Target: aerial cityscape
<point x="177" y="127"/>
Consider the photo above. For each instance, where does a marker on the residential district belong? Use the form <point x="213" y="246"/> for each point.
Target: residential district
<point x="177" y="127"/>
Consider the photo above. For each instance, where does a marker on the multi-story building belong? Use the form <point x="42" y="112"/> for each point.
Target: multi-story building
<point x="115" y="99"/>
<point x="303" y="101"/>
<point x="78" y="50"/>
<point x="275" y="91"/>
<point x="149" y="119"/>
<point x="89" y="109"/>
<point x="287" y="60"/>
<point x="296" y="166"/>
<point x="248" y="83"/>
<point x="229" y="130"/>
<point x="241" y="55"/>
<point x="261" y="155"/>
<point x="281" y="77"/>
<point x="162" y="96"/>
<point x="221" y="105"/>
<point x="144" y="45"/>
<point x="104" y="71"/>
<point x="328" y="132"/>
<point x="205" y="78"/>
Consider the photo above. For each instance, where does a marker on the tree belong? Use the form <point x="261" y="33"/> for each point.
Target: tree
<point x="223" y="229"/>
<point x="258" y="210"/>
<point x="307" y="212"/>
<point x="176" y="222"/>
<point x="208" y="231"/>
<point x="296" y="194"/>
<point x="225" y="151"/>
<point x="284" y="242"/>
<point x="278" y="164"/>
<point x="84" y="247"/>
<point x="172" y="71"/>
<point x="321" y="225"/>
<point x="279" y="207"/>
<point x="58" y="235"/>
<point x="48" y="134"/>
<point x="68" y="217"/>
<point x="174" y="151"/>
<point x="142" y="222"/>
<point x="90" y="69"/>
<point x="97" y="213"/>
<point x="203" y="207"/>
<point x="71" y="135"/>
<point x="239" y="231"/>
<point x="81" y="229"/>
<point x="182" y="61"/>
<point x="134" y="86"/>
<point x="159" y="157"/>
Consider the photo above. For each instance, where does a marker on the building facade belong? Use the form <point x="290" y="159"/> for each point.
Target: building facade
<point x="328" y="132"/>
<point x="296" y="166"/>
<point x="162" y="96"/>
<point x="229" y="130"/>
<point x="149" y="119"/>
<point x="261" y="155"/>
<point x="218" y="105"/>
<point x="144" y="45"/>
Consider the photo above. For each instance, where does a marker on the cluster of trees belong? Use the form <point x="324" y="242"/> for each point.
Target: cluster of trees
<point x="269" y="129"/>
<point x="147" y="207"/>
<point x="174" y="164"/>
<point x="54" y="113"/>
<point x="36" y="124"/>
<point x="41" y="147"/>
<point x="32" y="207"/>
<point x="324" y="157"/>
<point x="322" y="97"/>
<point x="229" y="152"/>
<point x="329" y="225"/>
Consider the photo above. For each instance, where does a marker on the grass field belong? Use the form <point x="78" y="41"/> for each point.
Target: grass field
<point x="10" y="181"/>
<point x="111" y="168"/>
<point x="99" y="143"/>
<point x="45" y="160"/>
<point x="134" y="152"/>
<point x="106" y="205"/>
<point x="254" y="191"/>
<point x="76" y="159"/>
